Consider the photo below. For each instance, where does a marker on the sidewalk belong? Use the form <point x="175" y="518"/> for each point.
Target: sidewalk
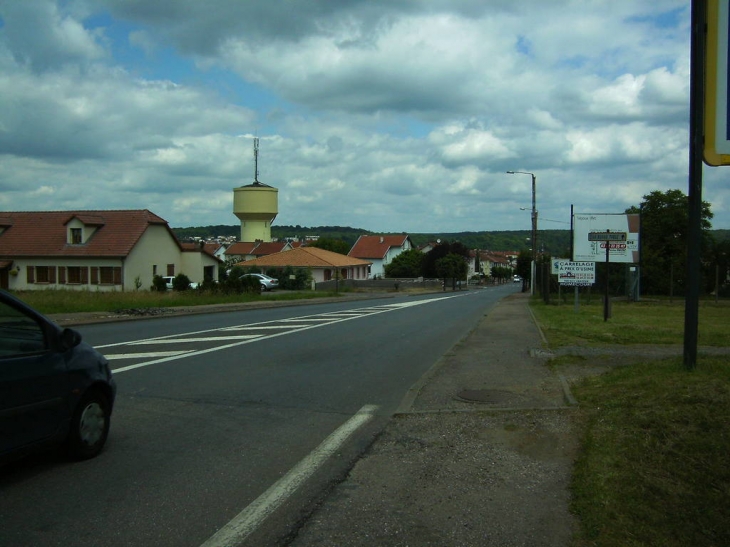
<point x="479" y="454"/>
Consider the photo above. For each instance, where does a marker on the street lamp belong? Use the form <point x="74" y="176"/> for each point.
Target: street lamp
<point x="534" y="228"/>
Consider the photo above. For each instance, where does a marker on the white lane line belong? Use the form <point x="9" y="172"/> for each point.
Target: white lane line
<point x="263" y="327"/>
<point x="248" y="520"/>
<point x="148" y="355"/>
<point x="204" y="339"/>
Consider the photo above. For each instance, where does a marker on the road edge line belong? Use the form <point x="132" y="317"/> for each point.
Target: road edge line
<point x="250" y="518"/>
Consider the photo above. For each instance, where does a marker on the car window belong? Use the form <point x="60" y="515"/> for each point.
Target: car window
<point x="19" y="334"/>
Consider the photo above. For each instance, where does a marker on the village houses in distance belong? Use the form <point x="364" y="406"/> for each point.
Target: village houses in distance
<point x="123" y="250"/>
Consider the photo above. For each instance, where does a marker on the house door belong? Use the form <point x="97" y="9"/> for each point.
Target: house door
<point x="4" y="279"/>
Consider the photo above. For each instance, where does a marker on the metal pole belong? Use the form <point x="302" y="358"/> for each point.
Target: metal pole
<point x="696" y="144"/>
<point x="534" y="230"/>
<point x="605" y="301"/>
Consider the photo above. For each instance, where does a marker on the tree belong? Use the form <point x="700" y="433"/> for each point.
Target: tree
<point x="452" y="266"/>
<point x="407" y="264"/>
<point x="663" y="239"/>
<point x="439" y="251"/>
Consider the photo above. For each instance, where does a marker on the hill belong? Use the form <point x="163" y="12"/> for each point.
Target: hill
<point x="553" y="242"/>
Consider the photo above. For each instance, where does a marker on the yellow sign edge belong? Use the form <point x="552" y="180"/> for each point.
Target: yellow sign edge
<point x="710" y="155"/>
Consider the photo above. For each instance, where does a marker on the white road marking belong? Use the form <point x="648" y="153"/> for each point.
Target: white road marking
<point x="205" y="339"/>
<point x="115" y="356"/>
<point x="263" y="327"/>
<point x="248" y="520"/>
<point x="309" y="322"/>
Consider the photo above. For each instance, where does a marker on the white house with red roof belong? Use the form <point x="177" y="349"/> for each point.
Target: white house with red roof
<point x="380" y="250"/>
<point x="95" y="250"/>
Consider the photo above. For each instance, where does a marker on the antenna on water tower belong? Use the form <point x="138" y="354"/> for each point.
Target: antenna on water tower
<point x="256" y="160"/>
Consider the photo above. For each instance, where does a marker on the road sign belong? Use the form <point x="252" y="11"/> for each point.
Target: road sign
<point x="717" y="89"/>
<point x="607" y="236"/>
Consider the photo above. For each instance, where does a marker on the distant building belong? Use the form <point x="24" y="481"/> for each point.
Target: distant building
<point x="256" y="205"/>
<point x="380" y="250"/>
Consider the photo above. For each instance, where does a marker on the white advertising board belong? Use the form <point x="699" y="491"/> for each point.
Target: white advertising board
<point x="595" y="251"/>
<point x="571" y="273"/>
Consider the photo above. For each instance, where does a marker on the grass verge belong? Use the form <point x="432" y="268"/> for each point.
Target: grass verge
<point x="654" y="463"/>
<point x="649" y="322"/>
<point x="654" y="468"/>
<point x="66" y="301"/>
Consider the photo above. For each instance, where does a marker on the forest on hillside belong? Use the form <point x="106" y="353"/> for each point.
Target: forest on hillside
<point x="554" y="242"/>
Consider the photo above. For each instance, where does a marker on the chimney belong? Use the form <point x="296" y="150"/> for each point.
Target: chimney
<point x="381" y="239"/>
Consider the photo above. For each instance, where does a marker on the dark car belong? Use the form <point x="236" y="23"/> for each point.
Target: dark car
<point x="54" y="388"/>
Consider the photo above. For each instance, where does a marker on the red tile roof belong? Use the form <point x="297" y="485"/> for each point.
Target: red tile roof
<point x="376" y="246"/>
<point x="45" y="234"/>
<point x="305" y="257"/>
<point x="267" y="248"/>
<point x="240" y="248"/>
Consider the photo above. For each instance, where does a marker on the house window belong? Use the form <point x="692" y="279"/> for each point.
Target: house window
<point x="109" y="275"/>
<point x="76" y="236"/>
<point x="73" y="274"/>
<point x="154" y="269"/>
<point x="171" y="269"/>
<point x="41" y="274"/>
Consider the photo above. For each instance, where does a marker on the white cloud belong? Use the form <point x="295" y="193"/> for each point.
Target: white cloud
<point x="383" y="115"/>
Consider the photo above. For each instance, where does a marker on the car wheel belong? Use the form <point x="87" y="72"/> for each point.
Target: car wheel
<point x="89" y="426"/>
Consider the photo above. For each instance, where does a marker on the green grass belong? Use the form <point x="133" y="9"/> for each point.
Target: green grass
<point x="66" y="301"/>
<point x="654" y="464"/>
<point x="648" y="322"/>
<point x="654" y="468"/>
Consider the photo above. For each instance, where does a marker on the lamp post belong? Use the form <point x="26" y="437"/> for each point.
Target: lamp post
<point x="534" y="228"/>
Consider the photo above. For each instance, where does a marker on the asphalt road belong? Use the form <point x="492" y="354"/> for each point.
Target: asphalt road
<point x="241" y="418"/>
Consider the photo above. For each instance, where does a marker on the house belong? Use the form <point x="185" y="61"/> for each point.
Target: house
<point x="242" y="250"/>
<point x="96" y="250"/>
<point x="324" y="265"/>
<point x="380" y="250"/>
<point x="487" y="261"/>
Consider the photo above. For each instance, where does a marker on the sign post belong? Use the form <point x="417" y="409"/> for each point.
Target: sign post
<point x="607" y="237"/>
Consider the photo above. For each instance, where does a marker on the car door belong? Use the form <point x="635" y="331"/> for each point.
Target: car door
<point x="33" y="381"/>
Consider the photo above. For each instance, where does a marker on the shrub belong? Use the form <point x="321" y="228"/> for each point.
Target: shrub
<point x="181" y="282"/>
<point x="158" y="284"/>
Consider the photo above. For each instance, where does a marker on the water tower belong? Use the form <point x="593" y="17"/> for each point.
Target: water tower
<point x="256" y="205"/>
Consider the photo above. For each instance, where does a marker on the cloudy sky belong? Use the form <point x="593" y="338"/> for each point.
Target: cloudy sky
<point x="386" y="115"/>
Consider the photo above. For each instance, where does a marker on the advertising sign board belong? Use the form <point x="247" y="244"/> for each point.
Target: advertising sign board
<point x="624" y="251"/>
<point x="578" y="274"/>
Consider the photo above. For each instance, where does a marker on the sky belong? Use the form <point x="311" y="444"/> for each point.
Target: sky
<point x="395" y="116"/>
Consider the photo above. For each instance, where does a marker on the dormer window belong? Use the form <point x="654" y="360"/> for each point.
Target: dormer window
<point x="76" y="236"/>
